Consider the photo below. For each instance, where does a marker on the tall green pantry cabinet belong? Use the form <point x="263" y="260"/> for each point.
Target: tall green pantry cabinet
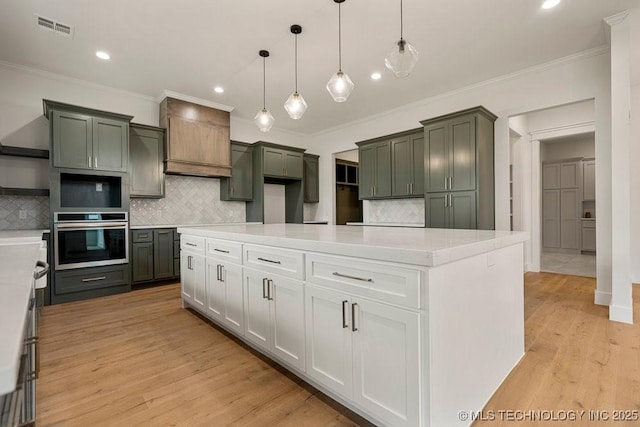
<point x="459" y="166"/>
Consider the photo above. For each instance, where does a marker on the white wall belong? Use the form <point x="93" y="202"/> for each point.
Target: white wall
<point x="351" y="155"/>
<point x="558" y="150"/>
<point x="635" y="145"/>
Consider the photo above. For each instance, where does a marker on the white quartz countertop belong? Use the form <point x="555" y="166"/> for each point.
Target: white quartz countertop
<point x="419" y="246"/>
<point x="18" y="256"/>
<point x="387" y="224"/>
<point x="151" y="226"/>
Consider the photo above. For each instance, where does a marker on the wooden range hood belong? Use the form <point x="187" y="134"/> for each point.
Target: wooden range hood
<point x="198" y="139"/>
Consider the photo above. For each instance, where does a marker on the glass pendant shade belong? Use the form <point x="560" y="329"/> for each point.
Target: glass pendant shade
<point x="340" y="86"/>
<point x="264" y="120"/>
<point x="295" y="106"/>
<point x="402" y="58"/>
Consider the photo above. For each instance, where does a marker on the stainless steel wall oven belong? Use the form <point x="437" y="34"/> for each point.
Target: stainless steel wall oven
<point x="90" y="239"/>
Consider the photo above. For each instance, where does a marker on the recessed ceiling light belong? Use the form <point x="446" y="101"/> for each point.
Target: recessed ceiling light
<point x="218" y="89"/>
<point x="103" y="55"/>
<point x="548" y="4"/>
<point x="376" y="76"/>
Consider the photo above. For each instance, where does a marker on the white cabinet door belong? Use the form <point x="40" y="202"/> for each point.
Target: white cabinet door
<point x="386" y="352"/>
<point x="329" y="339"/>
<point x="215" y="290"/>
<point x="588" y="236"/>
<point x="233" y="315"/>
<point x="198" y="269"/>
<point x="187" y="278"/>
<point x="287" y="320"/>
<point x="570" y="213"/>
<point x="589" y="180"/>
<point x="551" y="176"/>
<point x="256" y="309"/>
<point x="570" y="175"/>
<point x="551" y="218"/>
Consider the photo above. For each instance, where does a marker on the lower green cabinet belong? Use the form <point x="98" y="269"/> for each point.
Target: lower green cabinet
<point x="153" y="255"/>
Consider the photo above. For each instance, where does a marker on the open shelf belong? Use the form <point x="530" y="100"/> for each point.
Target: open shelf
<point x="9" y="191"/>
<point x="7" y="150"/>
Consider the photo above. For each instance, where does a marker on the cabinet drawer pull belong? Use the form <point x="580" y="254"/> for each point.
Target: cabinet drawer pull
<point x="345" y="303"/>
<point x="353" y="317"/>
<point x="31" y="340"/>
<point x="269" y="286"/>
<point x="264" y="288"/>
<point x="268" y="260"/>
<point x="362" y="279"/>
<point x="221" y="250"/>
<point x="142" y="236"/>
<point x="94" y="279"/>
<point x="191" y="244"/>
<point x="45" y="269"/>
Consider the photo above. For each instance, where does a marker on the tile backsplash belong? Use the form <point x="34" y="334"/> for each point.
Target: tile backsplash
<point x="405" y="211"/>
<point x="36" y="209"/>
<point x="188" y="200"/>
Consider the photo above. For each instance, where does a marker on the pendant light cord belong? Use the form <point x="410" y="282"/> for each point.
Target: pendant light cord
<point x="339" y="38"/>
<point x="401" y="25"/>
<point x="264" y="83"/>
<point x="296" y="62"/>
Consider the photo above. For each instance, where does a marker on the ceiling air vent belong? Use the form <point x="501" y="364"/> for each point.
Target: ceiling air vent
<point x="57" y="27"/>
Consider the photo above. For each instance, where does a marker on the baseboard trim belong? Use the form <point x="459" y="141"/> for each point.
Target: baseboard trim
<point x="621" y="314"/>
<point x="602" y="298"/>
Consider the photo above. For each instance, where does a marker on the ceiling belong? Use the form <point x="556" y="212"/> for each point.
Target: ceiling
<point x="191" y="46"/>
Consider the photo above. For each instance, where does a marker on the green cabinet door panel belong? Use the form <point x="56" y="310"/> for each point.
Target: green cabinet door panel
<point x="402" y="156"/>
<point x="436" y="210"/>
<point x="240" y="185"/>
<point x="436" y="157"/>
<point x="72" y="140"/>
<point x="273" y="161"/>
<point x="311" y="180"/>
<point x="367" y="167"/>
<point x="142" y="262"/>
<point x="163" y="253"/>
<point x="110" y="145"/>
<point x="462" y="210"/>
<point x="382" y="186"/>
<point x="462" y="154"/>
<point x="146" y="156"/>
<point x="293" y="164"/>
<point x="418" y="165"/>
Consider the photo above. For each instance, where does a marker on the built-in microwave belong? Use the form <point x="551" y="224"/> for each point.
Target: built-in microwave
<point x="90" y="239"/>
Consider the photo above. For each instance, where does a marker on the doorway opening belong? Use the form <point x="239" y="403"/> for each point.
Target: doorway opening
<point x="348" y="204"/>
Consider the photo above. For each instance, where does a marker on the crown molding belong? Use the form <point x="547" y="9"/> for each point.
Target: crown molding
<point x="66" y="79"/>
<point x="275" y="128"/>
<point x="616" y="19"/>
<point x="562" y="131"/>
<point x="194" y="100"/>
<point x="597" y="51"/>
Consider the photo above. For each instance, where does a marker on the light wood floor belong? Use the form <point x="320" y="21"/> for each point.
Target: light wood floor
<point x="139" y="359"/>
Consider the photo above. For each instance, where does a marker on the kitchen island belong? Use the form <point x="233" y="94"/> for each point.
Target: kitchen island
<point x="407" y="327"/>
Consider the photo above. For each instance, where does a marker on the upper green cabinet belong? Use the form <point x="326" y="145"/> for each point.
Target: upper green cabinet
<point x="240" y="185"/>
<point x="459" y="170"/>
<point x="311" y="178"/>
<point x="408" y="165"/>
<point x="282" y="163"/>
<point x="146" y="156"/>
<point x="88" y="139"/>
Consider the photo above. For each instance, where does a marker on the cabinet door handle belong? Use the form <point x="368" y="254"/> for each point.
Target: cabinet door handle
<point x="218" y="272"/>
<point x="95" y="163"/>
<point x="345" y="304"/>
<point x="372" y="190"/>
<point x="408" y="191"/>
<point x="90" y="167"/>
<point x="446" y="200"/>
<point x="268" y="260"/>
<point x="188" y="262"/>
<point x="450" y="200"/>
<point x="222" y="273"/>
<point x="220" y="250"/>
<point x="264" y="288"/>
<point x="362" y="279"/>
<point x="94" y="279"/>
<point x="353" y="317"/>
<point x="445" y="183"/>
<point x="232" y="189"/>
<point x="450" y="183"/>
<point x="269" y="286"/>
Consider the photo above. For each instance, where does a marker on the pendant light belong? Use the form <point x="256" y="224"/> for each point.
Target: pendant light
<point x="264" y="120"/>
<point x="295" y="104"/>
<point x="403" y="55"/>
<point x="340" y="85"/>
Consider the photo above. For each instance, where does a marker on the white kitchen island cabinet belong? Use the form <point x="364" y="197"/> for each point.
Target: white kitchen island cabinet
<point x="407" y="327"/>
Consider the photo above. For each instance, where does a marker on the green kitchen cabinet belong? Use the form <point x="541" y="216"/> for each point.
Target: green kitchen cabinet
<point x="311" y="178"/>
<point x="146" y="156"/>
<point x="163" y="253"/>
<point x="459" y="170"/>
<point x="282" y="163"/>
<point x="83" y="138"/>
<point x="240" y="185"/>
<point x="451" y="210"/>
<point x="142" y="262"/>
<point x="407" y="167"/>
<point x="375" y="169"/>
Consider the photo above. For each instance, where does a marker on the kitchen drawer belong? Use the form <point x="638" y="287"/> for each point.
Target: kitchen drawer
<point x="87" y="279"/>
<point x="588" y="224"/>
<point x="142" y="236"/>
<point x="224" y="249"/>
<point x="192" y="244"/>
<point x="376" y="280"/>
<point x="284" y="262"/>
